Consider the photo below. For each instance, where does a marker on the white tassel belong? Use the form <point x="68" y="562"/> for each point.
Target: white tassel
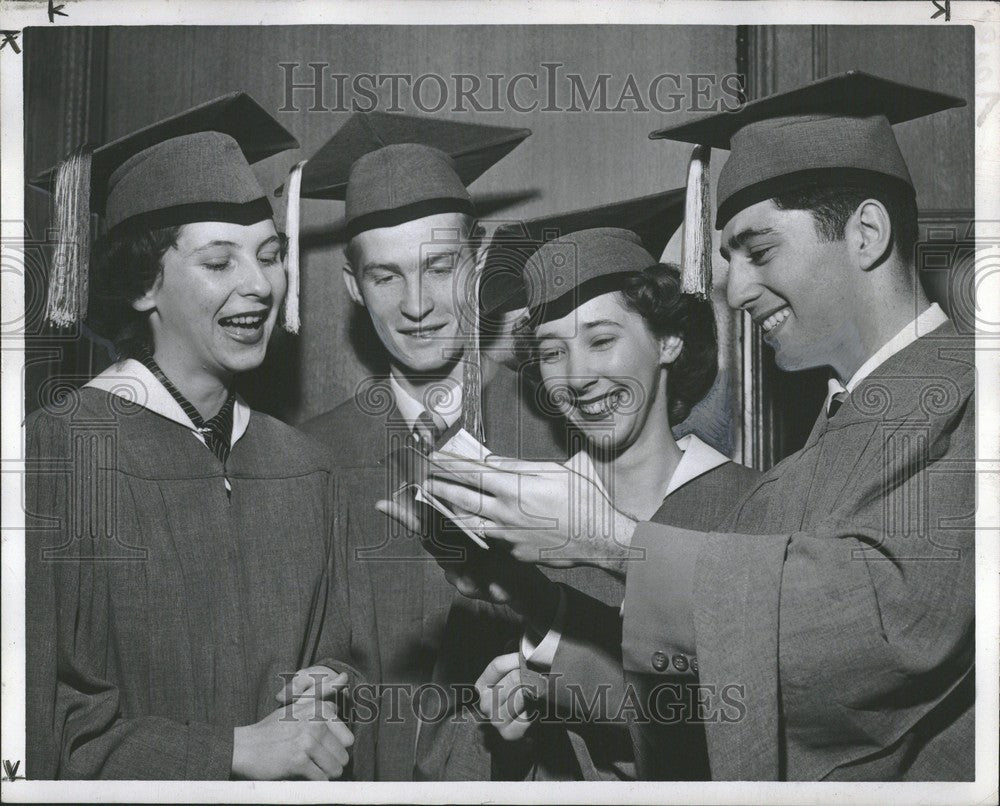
<point x="472" y="373"/>
<point x="66" y="303"/>
<point x="294" y="184"/>
<point x="696" y="254"/>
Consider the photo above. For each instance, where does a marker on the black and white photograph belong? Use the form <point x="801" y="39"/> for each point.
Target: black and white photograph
<point x="511" y="402"/>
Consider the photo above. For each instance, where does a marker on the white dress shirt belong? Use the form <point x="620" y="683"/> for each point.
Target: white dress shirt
<point x="929" y="320"/>
<point x="445" y="404"/>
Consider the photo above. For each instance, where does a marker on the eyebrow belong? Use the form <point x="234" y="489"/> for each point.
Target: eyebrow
<point x="210" y="245"/>
<point x="586" y="326"/>
<point x="232" y="244"/>
<point x="370" y="267"/>
<point x="740" y="238"/>
<point x="600" y="323"/>
<point x="438" y="257"/>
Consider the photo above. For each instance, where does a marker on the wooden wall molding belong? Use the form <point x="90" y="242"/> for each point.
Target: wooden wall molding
<point x="776" y="418"/>
<point x="757" y="59"/>
<point x="820" y="61"/>
<point x="81" y="87"/>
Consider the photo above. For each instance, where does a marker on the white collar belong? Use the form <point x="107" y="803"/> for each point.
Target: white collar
<point x="929" y="320"/>
<point x="697" y="458"/>
<point x="447" y="406"/>
<point x="131" y="380"/>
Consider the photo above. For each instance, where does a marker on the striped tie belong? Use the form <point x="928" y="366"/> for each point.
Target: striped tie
<point x="427" y="430"/>
<point x="217" y="431"/>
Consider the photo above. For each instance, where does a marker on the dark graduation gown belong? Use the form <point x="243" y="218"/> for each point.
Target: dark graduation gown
<point x="840" y="596"/>
<point x="160" y="612"/>
<point x="612" y="744"/>
<point x="415" y="608"/>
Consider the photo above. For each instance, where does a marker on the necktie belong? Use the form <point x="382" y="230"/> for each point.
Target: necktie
<point x="427" y="430"/>
<point x="218" y="430"/>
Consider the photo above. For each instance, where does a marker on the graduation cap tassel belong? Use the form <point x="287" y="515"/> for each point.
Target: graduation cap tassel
<point x="472" y="376"/>
<point x="66" y="303"/>
<point x="291" y="317"/>
<point x="696" y="255"/>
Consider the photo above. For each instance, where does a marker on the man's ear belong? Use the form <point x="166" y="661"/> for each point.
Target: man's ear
<point x="352" y="285"/>
<point x="871" y="232"/>
<point x="670" y="348"/>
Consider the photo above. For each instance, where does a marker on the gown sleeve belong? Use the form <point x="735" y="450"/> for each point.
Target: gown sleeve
<point x="75" y="728"/>
<point x="866" y="618"/>
<point x="333" y="643"/>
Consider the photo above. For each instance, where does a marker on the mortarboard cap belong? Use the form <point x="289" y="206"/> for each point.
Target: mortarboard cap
<point x="567" y="271"/>
<point x="654" y="219"/>
<point x="393" y="168"/>
<point x="255" y="132"/>
<point x="193" y="166"/>
<point x="834" y="130"/>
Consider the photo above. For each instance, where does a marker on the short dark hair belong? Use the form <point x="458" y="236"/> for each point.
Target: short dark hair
<point x="124" y="266"/>
<point x="832" y="205"/>
<point x="655" y="294"/>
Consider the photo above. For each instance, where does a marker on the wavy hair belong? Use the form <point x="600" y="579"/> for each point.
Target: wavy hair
<point x="655" y="294"/>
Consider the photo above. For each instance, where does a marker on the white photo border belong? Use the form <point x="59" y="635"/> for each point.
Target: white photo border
<point x="984" y="16"/>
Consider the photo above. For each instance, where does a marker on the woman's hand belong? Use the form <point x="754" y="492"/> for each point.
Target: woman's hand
<point x="502" y="697"/>
<point x="303" y="740"/>
<point x="313" y="682"/>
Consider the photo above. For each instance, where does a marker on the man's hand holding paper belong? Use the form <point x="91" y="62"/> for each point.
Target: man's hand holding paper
<point x="546" y="513"/>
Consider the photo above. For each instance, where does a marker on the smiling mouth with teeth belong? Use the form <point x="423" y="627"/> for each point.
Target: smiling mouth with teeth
<point x="602" y="406"/>
<point x="245" y="321"/>
<point x="775" y="319"/>
<point x="423" y="332"/>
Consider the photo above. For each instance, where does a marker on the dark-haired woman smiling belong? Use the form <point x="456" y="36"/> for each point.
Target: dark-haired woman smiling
<point x="185" y="593"/>
<point x="626" y="366"/>
<point x="624" y="355"/>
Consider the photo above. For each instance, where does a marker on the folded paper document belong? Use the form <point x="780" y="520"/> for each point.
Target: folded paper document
<point x="462" y="446"/>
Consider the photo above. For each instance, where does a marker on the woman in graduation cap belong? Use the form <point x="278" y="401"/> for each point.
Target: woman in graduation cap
<point x="186" y="612"/>
<point x="623" y="355"/>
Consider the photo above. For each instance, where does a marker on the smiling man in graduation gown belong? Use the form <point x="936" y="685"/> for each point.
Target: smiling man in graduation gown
<point x="837" y="603"/>
<point x="411" y="256"/>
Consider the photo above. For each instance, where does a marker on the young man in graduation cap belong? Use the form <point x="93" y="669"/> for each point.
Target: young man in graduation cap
<point x="412" y="255"/>
<point x="837" y="604"/>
